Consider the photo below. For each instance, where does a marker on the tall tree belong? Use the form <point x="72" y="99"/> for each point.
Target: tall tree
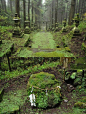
<point x="24" y="12"/>
<point x="11" y="5"/>
<point x="17" y="7"/>
<point x="32" y="11"/>
<point x="56" y="11"/>
<point x="72" y="11"/>
<point x="29" y="12"/>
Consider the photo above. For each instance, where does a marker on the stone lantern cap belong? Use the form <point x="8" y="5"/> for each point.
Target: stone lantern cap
<point x="16" y="18"/>
<point x="27" y="22"/>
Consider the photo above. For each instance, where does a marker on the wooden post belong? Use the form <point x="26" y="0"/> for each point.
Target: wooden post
<point x="8" y="62"/>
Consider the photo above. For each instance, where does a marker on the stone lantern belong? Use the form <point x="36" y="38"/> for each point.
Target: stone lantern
<point x="56" y="27"/>
<point x="27" y="29"/>
<point x="76" y="31"/>
<point x="64" y="26"/>
<point x="17" y="30"/>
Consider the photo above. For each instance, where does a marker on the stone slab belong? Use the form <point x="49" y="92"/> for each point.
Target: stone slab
<point x="6" y="47"/>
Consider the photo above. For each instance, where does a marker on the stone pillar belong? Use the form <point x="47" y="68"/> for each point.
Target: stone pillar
<point x="76" y="31"/>
<point x="64" y="26"/>
<point x="27" y="29"/>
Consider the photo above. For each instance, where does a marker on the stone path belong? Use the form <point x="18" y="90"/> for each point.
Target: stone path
<point x="43" y="41"/>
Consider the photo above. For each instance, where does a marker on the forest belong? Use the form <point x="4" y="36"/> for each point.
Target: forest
<point x="42" y="56"/>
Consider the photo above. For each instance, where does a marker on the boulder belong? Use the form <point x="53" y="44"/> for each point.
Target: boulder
<point x="46" y="89"/>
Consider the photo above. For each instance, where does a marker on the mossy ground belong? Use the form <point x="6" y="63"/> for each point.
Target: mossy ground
<point x="19" y="86"/>
<point x="12" y="100"/>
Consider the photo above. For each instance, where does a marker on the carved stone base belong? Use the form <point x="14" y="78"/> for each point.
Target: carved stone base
<point x="17" y="32"/>
<point x="76" y="32"/>
<point x="64" y="29"/>
<point x="27" y="30"/>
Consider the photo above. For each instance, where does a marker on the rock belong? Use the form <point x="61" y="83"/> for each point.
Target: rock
<point x="45" y="88"/>
<point x="70" y="87"/>
<point x="65" y="100"/>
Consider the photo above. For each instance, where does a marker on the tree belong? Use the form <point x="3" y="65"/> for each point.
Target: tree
<point x="72" y="11"/>
<point x="56" y="11"/>
<point x="29" y="12"/>
<point x="17" y="7"/>
<point x="24" y="12"/>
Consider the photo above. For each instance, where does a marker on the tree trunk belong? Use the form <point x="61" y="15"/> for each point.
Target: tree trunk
<point x="32" y="11"/>
<point x="24" y="12"/>
<point x="72" y="11"/>
<point x="56" y="11"/>
<point x="29" y="12"/>
<point x="17" y="7"/>
<point x="52" y="12"/>
<point x="11" y="5"/>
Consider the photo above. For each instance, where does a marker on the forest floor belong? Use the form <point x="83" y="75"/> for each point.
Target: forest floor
<point x="16" y="95"/>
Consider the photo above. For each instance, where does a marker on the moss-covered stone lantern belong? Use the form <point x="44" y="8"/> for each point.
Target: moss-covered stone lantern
<point x="27" y="29"/>
<point x="17" y="30"/>
<point x="76" y="31"/>
<point x="64" y="26"/>
<point x="56" y="27"/>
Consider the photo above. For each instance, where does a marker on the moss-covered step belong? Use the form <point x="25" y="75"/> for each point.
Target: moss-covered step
<point x="46" y="89"/>
<point x="1" y="94"/>
<point x="21" y="42"/>
<point x="23" y="52"/>
<point x="6" y="47"/>
<point x="56" y="53"/>
<point x="29" y="52"/>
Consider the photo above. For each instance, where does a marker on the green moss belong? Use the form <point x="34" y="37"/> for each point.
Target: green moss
<point x="40" y="82"/>
<point x="12" y="101"/>
<point x="80" y="105"/>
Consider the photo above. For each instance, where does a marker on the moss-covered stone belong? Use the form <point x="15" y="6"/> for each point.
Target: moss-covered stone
<point x="41" y="82"/>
